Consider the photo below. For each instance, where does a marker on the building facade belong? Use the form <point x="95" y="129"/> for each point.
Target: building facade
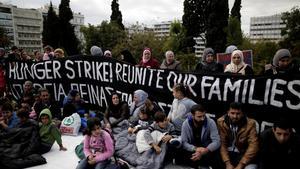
<point x="6" y="21"/>
<point x="28" y="26"/>
<point x="24" y="26"/>
<point x="162" y="29"/>
<point x="199" y="45"/>
<point x="266" y="28"/>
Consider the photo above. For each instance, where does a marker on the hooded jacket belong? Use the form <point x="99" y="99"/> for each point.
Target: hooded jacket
<point x="49" y="133"/>
<point x="209" y="136"/>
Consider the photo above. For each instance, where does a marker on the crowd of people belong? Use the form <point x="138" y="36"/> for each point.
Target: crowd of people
<point x="185" y="135"/>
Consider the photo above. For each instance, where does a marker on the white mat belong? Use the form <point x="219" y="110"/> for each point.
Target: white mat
<point x="62" y="159"/>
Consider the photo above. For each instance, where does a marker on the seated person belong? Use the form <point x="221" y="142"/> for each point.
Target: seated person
<point x="143" y="121"/>
<point x="161" y="125"/>
<point x="280" y="147"/>
<point x="239" y="141"/>
<point x="98" y="146"/>
<point x="116" y="111"/>
<point x="49" y="133"/>
<point x="200" y="140"/>
<point x="9" y="118"/>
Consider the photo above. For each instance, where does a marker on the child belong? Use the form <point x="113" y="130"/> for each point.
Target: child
<point x="9" y="118"/>
<point x="143" y="121"/>
<point x="98" y="146"/>
<point x="161" y="125"/>
<point x="49" y="133"/>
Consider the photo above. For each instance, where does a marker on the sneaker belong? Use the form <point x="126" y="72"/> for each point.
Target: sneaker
<point x="175" y="142"/>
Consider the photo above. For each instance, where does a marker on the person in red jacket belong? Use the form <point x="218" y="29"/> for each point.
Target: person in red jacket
<point x="148" y="61"/>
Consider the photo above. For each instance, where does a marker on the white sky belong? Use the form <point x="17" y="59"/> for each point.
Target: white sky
<point x="154" y="11"/>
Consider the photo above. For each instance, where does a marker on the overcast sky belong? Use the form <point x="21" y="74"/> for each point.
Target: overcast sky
<point x="154" y="11"/>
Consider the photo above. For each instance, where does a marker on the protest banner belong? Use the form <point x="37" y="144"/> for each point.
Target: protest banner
<point x="265" y="98"/>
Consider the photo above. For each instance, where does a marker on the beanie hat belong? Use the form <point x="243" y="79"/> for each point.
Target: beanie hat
<point x="230" y="49"/>
<point x="281" y="53"/>
<point x="206" y="52"/>
<point x="96" y="51"/>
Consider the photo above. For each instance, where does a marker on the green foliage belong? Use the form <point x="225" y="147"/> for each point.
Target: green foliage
<point x="292" y="31"/>
<point x="116" y="15"/>
<point x="188" y="61"/>
<point x="263" y="53"/>
<point x="91" y="35"/>
<point x="107" y="35"/>
<point x="51" y="32"/>
<point x="234" y="32"/>
<point x="4" y="39"/>
<point x="68" y="39"/>
<point x="176" y="37"/>
<point x="138" y="41"/>
<point x="216" y="25"/>
<point x="110" y="34"/>
<point x="235" y="11"/>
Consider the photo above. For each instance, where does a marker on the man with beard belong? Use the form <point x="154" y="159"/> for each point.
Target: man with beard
<point x="239" y="140"/>
<point x="200" y="140"/>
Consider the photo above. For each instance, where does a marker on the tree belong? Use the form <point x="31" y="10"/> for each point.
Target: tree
<point x="194" y="21"/>
<point x="292" y="31"/>
<point x="4" y="39"/>
<point x="234" y="32"/>
<point x="116" y="15"/>
<point x="263" y="53"/>
<point x="51" y="31"/>
<point x="216" y="24"/>
<point x="107" y="35"/>
<point x="92" y="36"/>
<point x="235" y="10"/>
<point x="68" y="38"/>
<point x="110" y="35"/>
<point x="176" y="37"/>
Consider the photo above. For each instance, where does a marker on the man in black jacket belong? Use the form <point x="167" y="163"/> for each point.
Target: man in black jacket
<point x="280" y="147"/>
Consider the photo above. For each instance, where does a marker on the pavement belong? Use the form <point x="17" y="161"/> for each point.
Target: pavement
<point x="68" y="160"/>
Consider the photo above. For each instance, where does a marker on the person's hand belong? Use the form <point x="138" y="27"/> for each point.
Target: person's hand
<point x="166" y="138"/>
<point x="229" y="165"/>
<point x="196" y="156"/>
<point x="108" y="126"/>
<point x="157" y="149"/>
<point x="135" y="130"/>
<point x="62" y="148"/>
<point x="2" y="122"/>
<point x="130" y="130"/>
<point x="202" y="150"/>
<point x="240" y="166"/>
<point x="92" y="162"/>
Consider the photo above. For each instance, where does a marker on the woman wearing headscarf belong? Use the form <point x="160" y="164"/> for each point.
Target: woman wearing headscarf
<point x="116" y="111"/>
<point x="208" y="63"/>
<point x="282" y="63"/>
<point x="139" y="99"/>
<point x="237" y="65"/>
<point x="127" y="57"/>
<point x="148" y="61"/>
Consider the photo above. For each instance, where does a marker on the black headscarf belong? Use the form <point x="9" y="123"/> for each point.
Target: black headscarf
<point x="128" y="58"/>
